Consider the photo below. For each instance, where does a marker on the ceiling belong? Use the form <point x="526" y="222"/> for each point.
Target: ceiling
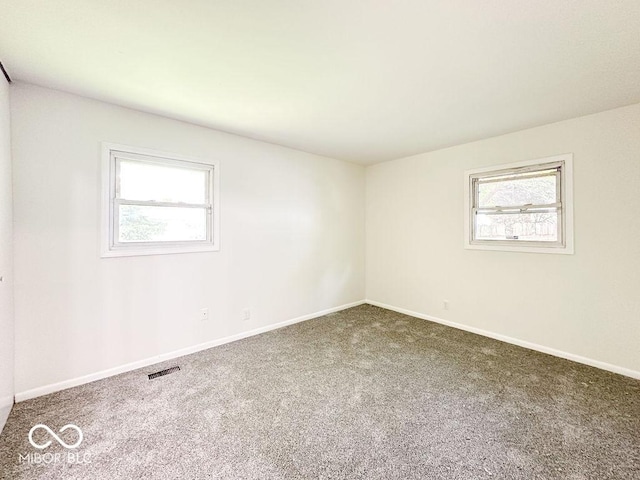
<point x="364" y="81"/>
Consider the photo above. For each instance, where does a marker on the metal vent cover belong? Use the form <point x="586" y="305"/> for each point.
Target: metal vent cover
<point x="163" y="372"/>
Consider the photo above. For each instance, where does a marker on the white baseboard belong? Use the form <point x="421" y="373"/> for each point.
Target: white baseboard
<point x="521" y="343"/>
<point x="6" y="404"/>
<point x="6" y="401"/>
<point x="74" y="382"/>
<point x="55" y="387"/>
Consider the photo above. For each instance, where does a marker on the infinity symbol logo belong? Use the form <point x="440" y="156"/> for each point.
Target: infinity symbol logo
<point x="58" y="439"/>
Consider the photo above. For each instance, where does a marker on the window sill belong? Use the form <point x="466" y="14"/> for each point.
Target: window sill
<point x="566" y="250"/>
<point x="169" y="250"/>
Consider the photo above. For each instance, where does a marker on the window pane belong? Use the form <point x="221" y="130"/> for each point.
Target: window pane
<point x="527" y="227"/>
<point x="161" y="224"/>
<point x="517" y="191"/>
<point x="147" y="181"/>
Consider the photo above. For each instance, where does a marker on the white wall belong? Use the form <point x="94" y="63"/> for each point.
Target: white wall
<point x="6" y="260"/>
<point x="586" y="304"/>
<point x="292" y="239"/>
<point x="293" y="242"/>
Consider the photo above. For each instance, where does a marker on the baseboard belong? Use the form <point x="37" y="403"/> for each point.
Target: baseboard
<point x="521" y="343"/>
<point x="74" y="382"/>
<point x="6" y="401"/>
<point x="6" y="404"/>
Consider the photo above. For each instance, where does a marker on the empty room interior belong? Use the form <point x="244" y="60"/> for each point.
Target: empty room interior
<point x="333" y="239"/>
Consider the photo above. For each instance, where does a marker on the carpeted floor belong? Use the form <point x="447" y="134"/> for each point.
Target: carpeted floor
<point x="364" y="393"/>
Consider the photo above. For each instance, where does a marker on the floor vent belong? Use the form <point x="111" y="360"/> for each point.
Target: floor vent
<point x="163" y="372"/>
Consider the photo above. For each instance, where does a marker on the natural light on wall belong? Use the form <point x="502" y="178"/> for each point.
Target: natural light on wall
<point x="521" y="207"/>
<point x="156" y="203"/>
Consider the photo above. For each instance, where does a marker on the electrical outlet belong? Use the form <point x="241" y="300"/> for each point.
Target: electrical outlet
<point x="246" y="315"/>
<point x="204" y="314"/>
<point x="445" y="304"/>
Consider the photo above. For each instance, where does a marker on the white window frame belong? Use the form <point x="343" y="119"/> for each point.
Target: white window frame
<point x="565" y="206"/>
<point x="110" y="246"/>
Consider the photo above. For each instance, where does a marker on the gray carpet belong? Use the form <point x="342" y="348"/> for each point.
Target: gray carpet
<point x="364" y="393"/>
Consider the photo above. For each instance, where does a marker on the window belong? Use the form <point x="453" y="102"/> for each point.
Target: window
<point x="155" y="203"/>
<point x="524" y="206"/>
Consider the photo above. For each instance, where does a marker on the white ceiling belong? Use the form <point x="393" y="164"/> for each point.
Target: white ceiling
<point x="360" y="80"/>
